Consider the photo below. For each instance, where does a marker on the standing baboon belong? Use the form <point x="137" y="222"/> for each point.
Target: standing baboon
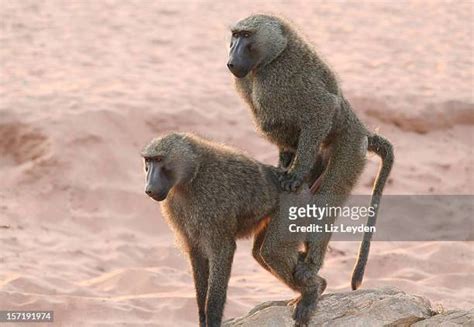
<point x="211" y="196"/>
<point x="298" y="105"/>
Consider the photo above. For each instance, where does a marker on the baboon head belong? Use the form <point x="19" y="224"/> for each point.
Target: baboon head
<point x="256" y="41"/>
<point x="169" y="161"/>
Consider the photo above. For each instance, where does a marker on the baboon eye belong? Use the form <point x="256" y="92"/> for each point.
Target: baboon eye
<point x="235" y="34"/>
<point x="246" y="34"/>
<point x="158" y="159"/>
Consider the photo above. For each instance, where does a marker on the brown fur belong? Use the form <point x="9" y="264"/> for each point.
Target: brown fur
<point x="298" y="105"/>
<point x="215" y="195"/>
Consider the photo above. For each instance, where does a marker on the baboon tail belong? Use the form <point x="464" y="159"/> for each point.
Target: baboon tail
<point x="383" y="148"/>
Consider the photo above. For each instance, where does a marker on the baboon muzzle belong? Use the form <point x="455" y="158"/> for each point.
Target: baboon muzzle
<point x="240" y="62"/>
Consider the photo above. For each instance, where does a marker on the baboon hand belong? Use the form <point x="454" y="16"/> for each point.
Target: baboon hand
<point x="290" y="182"/>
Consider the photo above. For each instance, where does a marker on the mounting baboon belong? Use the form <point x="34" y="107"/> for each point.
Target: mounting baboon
<point x="211" y="196"/>
<point x="298" y="105"/>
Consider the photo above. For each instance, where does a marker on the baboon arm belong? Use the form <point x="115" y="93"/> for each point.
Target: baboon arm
<point x="219" y="272"/>
<point x="200" y="267"/>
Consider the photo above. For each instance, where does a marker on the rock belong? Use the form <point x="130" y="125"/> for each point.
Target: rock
<point x="370" y="307"/>
<point x="449" y="319"/>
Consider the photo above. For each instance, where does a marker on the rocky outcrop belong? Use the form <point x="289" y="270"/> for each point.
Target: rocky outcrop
<point x="372" y="307"/>
<point x="449" y="319"/>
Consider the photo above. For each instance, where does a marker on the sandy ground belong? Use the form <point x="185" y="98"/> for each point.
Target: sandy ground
<point x="85" y="84"/>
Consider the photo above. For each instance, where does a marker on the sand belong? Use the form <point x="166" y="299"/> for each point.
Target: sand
<point x="85" y="84"/>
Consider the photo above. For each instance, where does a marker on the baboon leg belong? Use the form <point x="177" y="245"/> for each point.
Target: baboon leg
<point x="301" y="312"/>
<point x="347" y="161"/>
<point x="200" y="266"/>
<point x="280" y="253"/>
<point x="257" y="246"/>
<point x="306" y="270"/>
<point x="220" y="264"/>
<point x="312" y="287"/>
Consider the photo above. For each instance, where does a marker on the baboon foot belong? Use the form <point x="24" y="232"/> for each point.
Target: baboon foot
<point x="306" y="303"/>
<point x="290" y="182"/>
<point x="304" y="309"/>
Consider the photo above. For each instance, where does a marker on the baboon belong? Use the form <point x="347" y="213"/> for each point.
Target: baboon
<point x="298" y="105"/>
<point x="211" y="195"/>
